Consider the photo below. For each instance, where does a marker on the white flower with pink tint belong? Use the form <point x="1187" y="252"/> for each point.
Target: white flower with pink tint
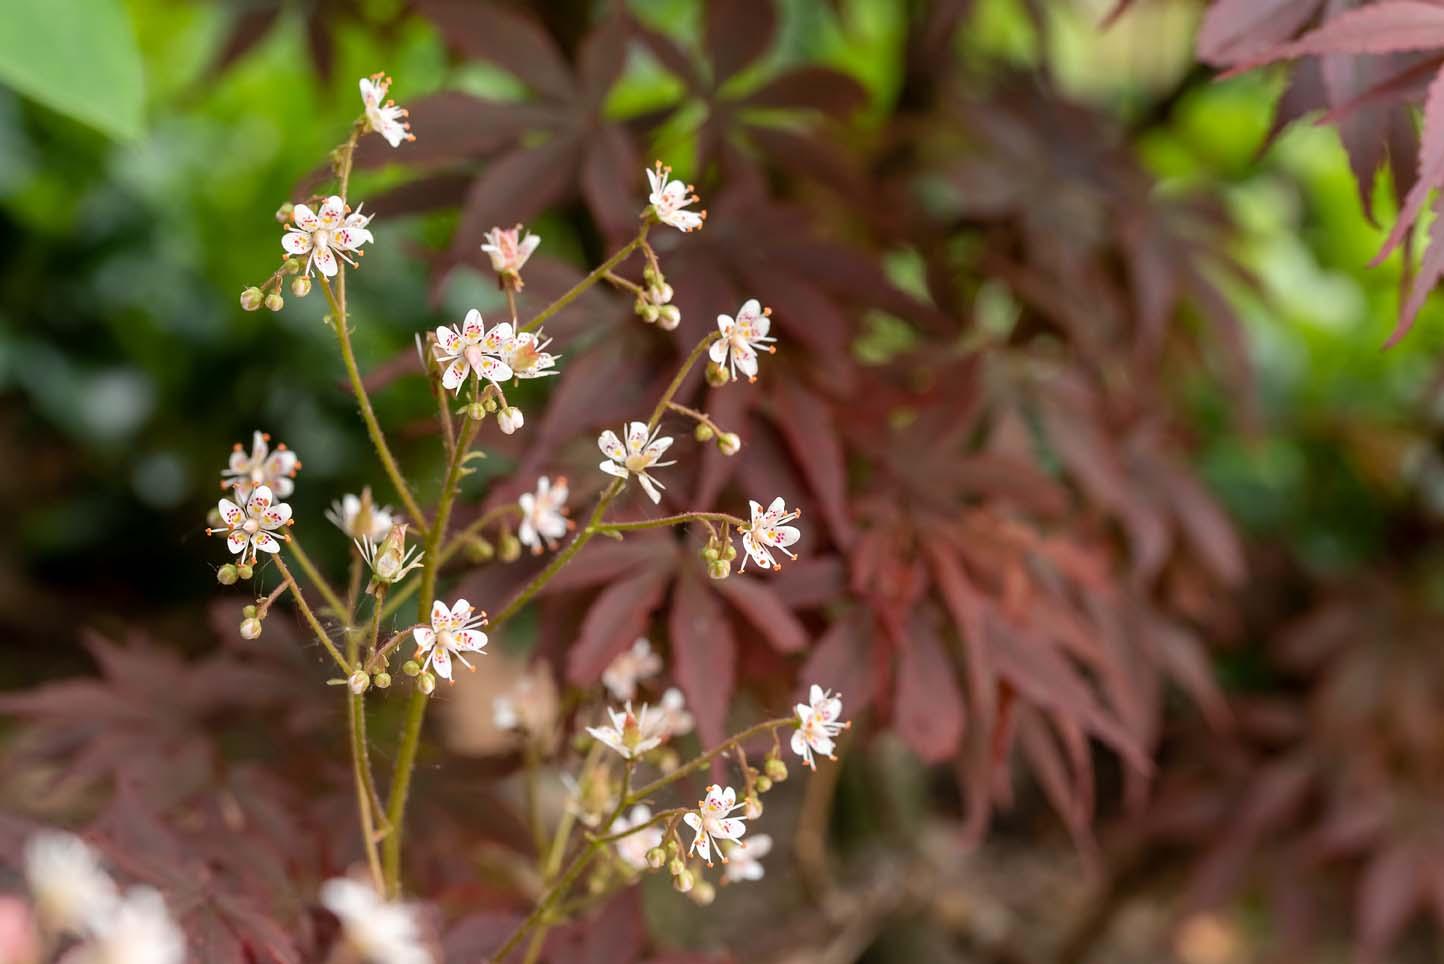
<point x="742" y="338"/>
<point x="639" y="454"/>
<point x="509" y="251"/>
<point x="712" y="823"/>
<point x="451" y="633"/>
<point x="633" y="847"/>
<point x="326" y="235"/>
<point x="360" y="517"/>
<point x="373" y="929"/>
<point x="818" y="722"/>
<point x="676" y="721"/>
<point x="471" y="349"/>
<point x="744" y="861"/>
<point x="543" y="514"/>
<point x="384" y="116"/>
<point x="250" y="530"/>
<point x="630" y="667"/>
<point x="261" y="466"/>
<point x="72" y="893"/>
<point x="769" y="530"/>
<point x="669" y="199"/>
<point x="526" y="355"/>
<point x="631" y="733"/>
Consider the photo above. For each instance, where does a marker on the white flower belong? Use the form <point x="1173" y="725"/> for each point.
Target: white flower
<point x="71" y="891"/>
<point x="631" y="734"/>
<point x="510" y="419"/>
<point x="326" y="234"/>
<point x="744" y="861"/>
<point x="262" y="467"/>
<point x="742" y="337"/>
<point x="372" y="928"/>
<point x="543" y="514"/>
<point x="139" y="931"/>
<point x="389" y="560"/>
<point x="473" y="349"/>
<point x="360" y="518"/>
<point x="508" y="251"/>
<point x="676" y="721"/>
<point x="383" y="116"/>
<point x="712" y="823"/>
<point x="817" y="724"/>
<point x="769" y="530"/>
<point x="633" y="847"/>
<point x="631" y="667"/>
<point x="525" y="354"/>
<point x="640" y="454"/>
<point x="451" y="634"/>
<point x="249" y="531"/>
<point x="669" y="197"/>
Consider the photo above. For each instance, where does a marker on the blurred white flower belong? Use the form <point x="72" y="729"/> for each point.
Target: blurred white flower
<point x="249" y="530"/>
<point x="472" y="349"/>
<point x="669" y="198"/>
<point x="817" y="723"/>
<point x="543" y="514"/>
<point x="360" y="518"/>
<point x="640" y="454"/>
<point x="374" y="929"/>
<point x="525" y="353"/>
<point x="139" y="931"/>
<point x="275" y="469"/>
<point x="509" y="251"/>
<point x="712" y="824"/>
<point x="71" y="891"/>
<point x="631" y="733"/>
<point x="744" y="861"/>
<point x="742" y="337"/>
<point x="450" y="634"/>
<point x="384" y="116"/>
<point x="631" y="667"/>
<point x="769" y="530"/>
<point x="326" y="235"/>
<point x="676" y="721"/>
<point x="633" y="847"/>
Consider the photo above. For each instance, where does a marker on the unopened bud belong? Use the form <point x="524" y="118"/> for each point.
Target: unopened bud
<point x="226" y="575"/>
<point x="650" y="313"/>
<point x="479" y="550"/>
<point x="489" y="403"/>
<point x="252" y="298"/>
<point x="762" y="783"/>
<point x="703" y="893"/>
<point x="668" y="317"/>
<point x="710" y="554"/>
<point x="245" y="571"/>
<point x="684" y="881"/>
<point x="411" y="667"/>
<point x="656" y="857"/>
<point x="476" y="411"/>
<point x="752" y="808"/>
<point x="673" y="849"/>
<point x="381" y="681"/>
<point x="358" y="683"/>
<point x="703" y="432"/>
<point x="510" y="419"/>
<point x="250" y="628"/>
<point x="717" y="375"/>
<point x="249" y="612"/>
<point x="729" y="443"/>
<point x="649" y="275"/>
<point x="274" y="301"/>
<point x="510" y="550"/>
<point x="283" y="213"/>
<point x="719" y="569"/>
<point x="729" y="551"/>
<point x="676" y="866"/>
<point x="291" y="266"/>
<point x="301" y="285"/>
<point x="660" y="294"/>
<point x="426" y="683"/>
<point x="775" y="769"/>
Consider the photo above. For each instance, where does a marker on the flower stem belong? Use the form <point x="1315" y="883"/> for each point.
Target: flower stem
<point x="333" y="601"/>
<point x="672" y="520"/>
<point x="310" y="616"/>
<point x="360" y="761"/>
<point x="679" y="378"/>
<point x="568" y="878"/>
<point x="698" y="762"/>
<point x="598" y="274"/>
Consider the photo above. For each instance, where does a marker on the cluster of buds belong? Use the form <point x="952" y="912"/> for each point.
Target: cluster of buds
<point x="718" y="554"/>
<point x="728" y="443"/>
<point x="654" y="300"/>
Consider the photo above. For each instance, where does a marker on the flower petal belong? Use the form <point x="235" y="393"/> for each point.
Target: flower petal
<point x="612" y="468"/>
<point x="649" y="485"/>
<point x="236" y="540"/>
<point x="455" y="374"/>
<point x="304" y="218"/>
<point x="265" y="542"/>
<point x="611" y="446"/>
<point x="296" y="242"/>
<point x="473" y="327"/>
<point x="470" y="640"/>
<point x="441" y="662"/>
<point x="231" y="513"/>
<point x="636" y="437"/>
<point x="448" y="340"/>
<point x="424" y="637"/>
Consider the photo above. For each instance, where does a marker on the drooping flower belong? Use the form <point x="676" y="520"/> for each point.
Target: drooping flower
<point x="744" y="862"/>
<point x="631" y="733"/>
<point x="525" y="353"/>
<point x="742" y="338"/>
<point x="275" y="469"/>
<point x="472" y="349"/>
<point x="389" y="559"/>
<point x="384" y="116"/>
<point x="640" y="454"/>
<point x="509" y="251"/>
<point x="669" y="198"/>
<point x="543" y="514"/>
<point x="326" y="235"/>
<point x="510" y="419"/>
<point x="373" y="928"/>
<point x="712" y="824"/>
<point x="72" y="893"/>
<point x="818" y="721"/>
<point x="360" y="517"/>
<point x="769" y="530"/>
<point x="676" y="721"/>
<point x="630" y="667"/>
<point x="139" y="931"/>
<point x="249" y="530"/>
<point x="633" y="847"/>
<point x="450" y="634"/>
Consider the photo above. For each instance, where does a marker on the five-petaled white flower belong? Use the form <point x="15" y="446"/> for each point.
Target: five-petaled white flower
<point x="543" y="514"/>
<point x="712" y="823"/>
<point x="745" y="862"/>
<point x="382" y="115"/>
<point x="742" y="338"/>
<point x="360" y="517"/>
<point x="817" y="724"/>
<point x="669" y="198"/>
<point x="249" y="530"/>
<point x="769" y="530"/>
<point x="326" y="235"/>
<point x="72" y="893"/>
<point x="631" y="733"/>
<point x="389" y="559"/>
<point x="525" y="353"/>
<point x="640" y="454"/>
<point x="676" y="721"/>
<point x="472" y="349"/>
<point x="139" y="931"/>
<point x="261" y="467"/>
<point x="509" y="251"/>
<point x="372" y="928"/>
<point x="450" y="634"/>
<point x="633" y="847"/>
<point x="630" y="667"/>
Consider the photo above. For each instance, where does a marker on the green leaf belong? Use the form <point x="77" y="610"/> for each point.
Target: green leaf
<point x="78" y="57"/>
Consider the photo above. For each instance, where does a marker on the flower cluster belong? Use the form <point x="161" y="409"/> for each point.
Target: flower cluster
<point x="253" y="520"/>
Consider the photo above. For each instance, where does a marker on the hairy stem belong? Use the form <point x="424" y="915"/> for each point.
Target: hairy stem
<point x="310" y="616"/>
<point x="672" y="520"/>
<point x="677" y="380"/>
<point x="360" y="760"/>
<point x="580" y="287"/>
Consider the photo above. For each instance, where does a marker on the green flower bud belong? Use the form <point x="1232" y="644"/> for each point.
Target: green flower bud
<point x="676" y="866"/>
<point x="729" y="551"/>
<point x="710" y="554"/>
<point x="684" y="881"/>
<point x="479" y="550"/>
<point x="719" y="569"/>
<point x="245" y="571"/>
<point x="490" y="403"/>
<point x="381" y="681"/>
<point x="775" y="769"/>
<point x="476" y="411"/>
<point x="283" y="213"/>
<point x="656" y="857"/>
<point x="426" y="683"/>
<point x="729" y="443"/>
<point x="752" y="807"/>
<point x="762" y="783"/>
<point x="274" y="301"/>
<point x="673" y="849"/>
<point x="358" y="683"/>
<point x="650" y="313"/>
<point x="669" y="317"/>
<point x="291" y="266"/>
<point x="717" y="375"/>
<point x="703" y="433"/>
<point x="703" y="893"/>
<point x="248" y="612"/>
<point x="510" y="550"/>
<point x="301" y="285"/>
<point x="226" y="575"/>
<point x="411" y="667"/>
<point x="252" y="298"/>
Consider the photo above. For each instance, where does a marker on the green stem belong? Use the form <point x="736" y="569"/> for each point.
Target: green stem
<point x="679" y="378"/>
<point x="453" y="545"/>
<point x="360" y="760"/>
<point x="573" y="871"/>
<point x="581" y="286"/>
<point x="672" y="520"/>
<point x="338" y="608"/>
<point x="310" y="616"/>
<point x="697" y="763"/>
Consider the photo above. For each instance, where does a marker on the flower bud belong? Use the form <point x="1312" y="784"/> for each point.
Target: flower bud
<point x="283" y="213"/>
<point x="226" y="575"/>
<point x="676" y="866"/>
<point x="775" y="769"/>
<point x="752" y="807"/>
<point x="245" y="571"/>
<point x="710" y="554"/>
<point x="703" y="893"/>
<point x="358" y="683"/>
<point x="510" y="550"/>
<point x="489" y="403"/>
<point x="249" y="612"/>
<point x="668" y="317"/>
<point x="510" y="419"/>
<point x="729" y="551"/>
<point x="684" y="881"/>
<point x="703" y="433"/>
<point x="250" y="628"/>
<point x="729" y="443"/>
<point x="656" y="857"/>
<point x="660" y="294"/>
<point x="426" y="683"/>
<point x="479" y="550"/>
<point x="291" y="266"/>
<point x="251" y="298"/>
<point x="650" y="313"/>
<point x="717" y="375"/>
<point x="672" y="847"/>
<point x="762" y="783"/>
<point x="301" y="285"/>
<point x="274" y="301"/>
<point x="649" y="275"/>
<point x="719" y="569"/>
<point x="381" y="681"/>
<point x="476" y="411"/>
<point x="411" y="667"/>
